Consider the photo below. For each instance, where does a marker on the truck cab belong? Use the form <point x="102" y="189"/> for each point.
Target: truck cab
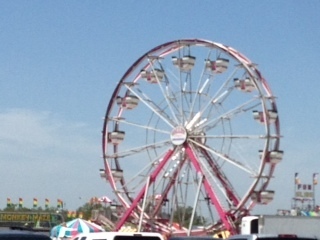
<point x="270" y="237"/>
<point x="119" y="236"/>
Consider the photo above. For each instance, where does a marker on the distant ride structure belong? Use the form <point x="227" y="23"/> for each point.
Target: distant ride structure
<point x="191" y="136"/>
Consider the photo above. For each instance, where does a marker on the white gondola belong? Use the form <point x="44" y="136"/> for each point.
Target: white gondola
<point x="273" y="157"/>
<point x="218" y="66"/>
<point x="119" y="100"/>
<point x="272" y="116"/>
<point x="102" y="173"/>
<point x="130" y="102"/>
<point x="258" y="116"/>
<point x="210" y="65"/>
<point x="116" y="137"/>
<point x="222" y="65"/>
<point x="245" y="85"/>
<point x="262" y="197"/>
<point x="117" y="174"/>
<point x="153" y="76"/>
<point x="185" y="63"/>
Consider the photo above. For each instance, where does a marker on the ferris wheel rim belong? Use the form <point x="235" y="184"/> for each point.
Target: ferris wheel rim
<point x="237" y="55"/>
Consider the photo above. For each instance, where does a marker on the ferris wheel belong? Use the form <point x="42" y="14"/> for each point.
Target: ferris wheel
<point x="191" y="137"/>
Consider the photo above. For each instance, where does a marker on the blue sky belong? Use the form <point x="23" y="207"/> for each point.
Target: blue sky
<point x="61" y="60"/>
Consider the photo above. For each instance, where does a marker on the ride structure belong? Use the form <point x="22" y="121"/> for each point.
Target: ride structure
<point x="191" y="136"/>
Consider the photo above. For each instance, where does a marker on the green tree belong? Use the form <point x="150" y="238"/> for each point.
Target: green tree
<point x="183" y="216"/>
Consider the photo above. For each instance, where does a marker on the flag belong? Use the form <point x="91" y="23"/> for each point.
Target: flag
<point x="35" y="202"/>
<point x="59" y="203"/>
<point x="46" y="203"/>
<point x="20" y="202"/>
<point x="315" y="178"/>
<point x="296" y="178"/>
<point x="8" y="202"/>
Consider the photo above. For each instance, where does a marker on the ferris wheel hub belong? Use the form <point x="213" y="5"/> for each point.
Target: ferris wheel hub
<point x="178" y="135"/>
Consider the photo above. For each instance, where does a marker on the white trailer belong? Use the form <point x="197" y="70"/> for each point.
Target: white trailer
<point x="275" y="224"/>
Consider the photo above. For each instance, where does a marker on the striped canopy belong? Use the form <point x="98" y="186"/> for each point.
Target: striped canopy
<point x="74" y="227"/>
